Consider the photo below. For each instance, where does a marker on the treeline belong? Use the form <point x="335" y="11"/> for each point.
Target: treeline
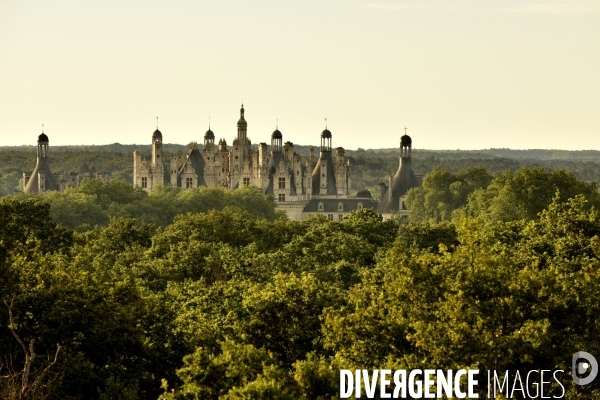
<point x="367" y="172"/>
<point x="226" y="304"/>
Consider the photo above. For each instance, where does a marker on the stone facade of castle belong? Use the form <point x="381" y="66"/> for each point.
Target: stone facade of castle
<point x="318" y="186"/>
<point x="279" y="172"/>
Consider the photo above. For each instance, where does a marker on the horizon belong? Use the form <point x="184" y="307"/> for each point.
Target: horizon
<point x="303" y="145"/>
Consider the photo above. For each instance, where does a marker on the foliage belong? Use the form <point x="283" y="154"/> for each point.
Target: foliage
<point x="225" y="300"/>
<point x="508" y="196"/>
<point x="95" y="202"/>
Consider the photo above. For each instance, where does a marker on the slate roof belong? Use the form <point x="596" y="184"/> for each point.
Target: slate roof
<point x="331" y="205"/>
<point x="404" y="180"/>
<point x="42" y="166"/>
<point x="317" y="174"/>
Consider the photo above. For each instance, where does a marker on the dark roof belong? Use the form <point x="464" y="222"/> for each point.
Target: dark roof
<point x="157" y="135"/>
<point x="242" y="122"/>
<point x="317" y="174"/>
<point x="209" y="134"/>
<point x="197" y="161"/>
<point x="363" y="193"/>
<point x="404" y="180"/>
<point x="276" y="134"/>
<point x="331" y="205"/>
<point x="50" y="181"/>
<point x="405" y="140"/>
<point x="43" y="138"/>
<point x="326" y="133"/>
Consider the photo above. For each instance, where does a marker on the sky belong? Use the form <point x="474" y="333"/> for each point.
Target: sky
<point x="458" y="74"/>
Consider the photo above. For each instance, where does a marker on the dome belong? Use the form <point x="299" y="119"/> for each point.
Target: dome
<point x="209" y="134"/>
<point x="276" y="134"/>
<point x="43" y="138"/>
<point x="364" y="193"/>
<point x="326" y="134"/>
<point x="405" y="140"/>
<point x="157" y="135"/>
<point x="242" y="122"/>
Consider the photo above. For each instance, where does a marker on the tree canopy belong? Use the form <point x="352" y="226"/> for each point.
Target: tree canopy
<point x="204" y="294"/>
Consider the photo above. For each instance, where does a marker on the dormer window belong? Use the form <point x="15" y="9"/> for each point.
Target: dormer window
<point x="321" y="206"/>
<point x="340" y="206"/>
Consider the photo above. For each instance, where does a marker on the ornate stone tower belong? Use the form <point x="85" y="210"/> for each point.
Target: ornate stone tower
<point x="391" y="198"/>
<point x="323" y="176"/>
<point x="41" y="179"/>
<point x="240" y="156"/>
<point x="242" y="125"/>
<point x="208" y="153"/>
<point x="157" y="165"/>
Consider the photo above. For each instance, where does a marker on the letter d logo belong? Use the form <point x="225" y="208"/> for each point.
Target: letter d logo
<point x="583" y="367"/>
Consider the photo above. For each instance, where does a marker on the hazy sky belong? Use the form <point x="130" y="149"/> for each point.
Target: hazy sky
<point x="459" y="74"/>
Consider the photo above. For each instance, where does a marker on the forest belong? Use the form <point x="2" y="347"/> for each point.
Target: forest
<point x="110" y="292"/>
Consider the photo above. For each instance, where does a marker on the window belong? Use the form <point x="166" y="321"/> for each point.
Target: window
<point x="330" y="217"/>
<point x="281" y="183"/>
<point x="246" y="181"/>
<point x="360" y="206"/>
<point x="188" y="182"/>
<point x="281" y="197"/>
<point x="340" y="207"/>
<point x="340" y="217"/>
<point x="320" y="206"/>
<point x="144" y="183"/>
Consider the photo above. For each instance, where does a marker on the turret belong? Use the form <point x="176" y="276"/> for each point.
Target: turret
<point x="323" y="176"/>
<point x="157" y="152"/>
<point x="209" y="137"/>
<point x="276" y="140"/>
<point x="326" y="140"/>
<point x="41" y="179"/>
<point x="242" y="125"/>
<point x="404" y="180"/>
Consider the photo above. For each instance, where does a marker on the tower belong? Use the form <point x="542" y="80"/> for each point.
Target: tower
<point x="240" y="156"/>
<point x="157" y="152"/>
<point x="157" y="165"/>
<point x="242" y="125"/>
<point x="392" y="198"/>
<point x="41" y="179"/>
<point x="208" y="153"/>
<point x="323" y="176"/>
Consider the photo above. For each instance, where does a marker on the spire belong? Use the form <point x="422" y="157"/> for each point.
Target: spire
<point x="209" y="122"/>
<point x="325" y="123"/>
<point x="156" y="123"/>
<point x="405" y="130"/>
<point x="242" y="125"/>
<point x="277" y="124"/>
<point x="42" y="128"/>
